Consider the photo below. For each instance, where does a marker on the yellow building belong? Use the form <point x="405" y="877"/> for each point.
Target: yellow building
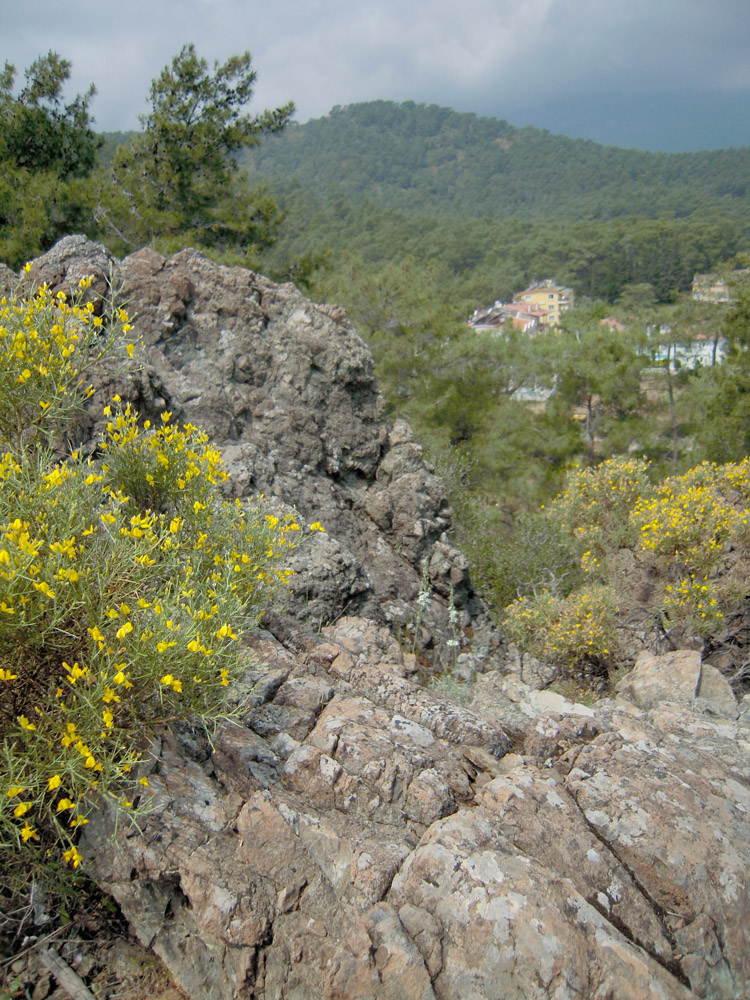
<point x="553" y="300"/>
<point x="715" y="287"/>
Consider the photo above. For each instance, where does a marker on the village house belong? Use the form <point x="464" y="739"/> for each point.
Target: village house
<point x="552" y="299"/>
<point x="525" y="316"/>
<point x="528" y="318"/>
<point x="538" y="307"/>
<point x="612" y="324"/>
<point x="700" y="352"/>
<point x="714" y="287"/>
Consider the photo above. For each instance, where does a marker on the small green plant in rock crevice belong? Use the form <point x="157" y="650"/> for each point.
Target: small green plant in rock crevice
<point x="423" y="603"/>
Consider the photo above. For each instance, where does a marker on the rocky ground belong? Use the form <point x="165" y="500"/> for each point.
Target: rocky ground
<point x="351" y="833"/>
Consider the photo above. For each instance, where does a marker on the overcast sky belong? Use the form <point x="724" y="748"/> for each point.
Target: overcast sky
<point x="656" y="74"/>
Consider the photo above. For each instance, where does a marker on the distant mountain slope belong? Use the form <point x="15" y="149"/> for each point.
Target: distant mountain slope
<point x="438" y="161"/>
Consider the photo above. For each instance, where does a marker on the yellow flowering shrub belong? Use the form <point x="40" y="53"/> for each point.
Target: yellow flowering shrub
<point x="47" y="346"/>
<point x="695" y="601"/>
<point x="596" y="504"/>
<point x="688" y="519"/>
<point x="734" y="478"/>
<point x="682" y="526"/>
<point x="125" y="585"/>
<point x="569" y="632"/>
<point x="160" y="468"/>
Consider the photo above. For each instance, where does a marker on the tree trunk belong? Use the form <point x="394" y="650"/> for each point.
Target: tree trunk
<point x="590" y="426"/>
<point x="672" y="411"/>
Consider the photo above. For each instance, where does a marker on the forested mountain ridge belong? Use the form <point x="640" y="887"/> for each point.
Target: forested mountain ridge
<point x="433" y="159"/>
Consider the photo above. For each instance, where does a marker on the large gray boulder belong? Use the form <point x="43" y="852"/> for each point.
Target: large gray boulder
<point x="286" y="389"/>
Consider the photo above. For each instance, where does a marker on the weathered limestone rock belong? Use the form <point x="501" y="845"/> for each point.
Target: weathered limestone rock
<point x="515" y="704"/>
<point x="678" y="677"/>
<point x="511" y="927"/>
<point x="356" y="837"/>
<point x="8" y="279"/>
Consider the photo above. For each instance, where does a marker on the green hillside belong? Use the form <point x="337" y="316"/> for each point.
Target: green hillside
<point x="493" y="206"/>
<point x="435" y="160"/>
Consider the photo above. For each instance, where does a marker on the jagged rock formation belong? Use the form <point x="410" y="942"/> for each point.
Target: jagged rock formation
<point x="351" y="835"/>
<point x="286" y="389"/>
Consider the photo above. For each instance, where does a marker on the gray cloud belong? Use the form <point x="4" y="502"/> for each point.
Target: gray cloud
<point x="511" y="58"/>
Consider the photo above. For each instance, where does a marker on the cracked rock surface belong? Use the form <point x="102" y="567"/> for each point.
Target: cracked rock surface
<point x="355" y="836"/>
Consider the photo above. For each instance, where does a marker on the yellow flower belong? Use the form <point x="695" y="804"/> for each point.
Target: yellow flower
<point x="24" y="723"/>
<point x="15" y="790"/>
<point x="21" y="808"/>
<point x="28" y="833"/>
<point x="65" y="804"/>
<point x="45" y="589"/>
<point x="54" y="782"/>
<point x="72" y="857"/>
<point x="225" y="632"/>
<point x="75" y="671"/>
<point x="169" y="681"/>
<point x="124" y="630"/>
<point x="6" y="675"/>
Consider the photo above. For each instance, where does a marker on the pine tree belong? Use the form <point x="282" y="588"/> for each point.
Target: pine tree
<point x="178" y="181"/>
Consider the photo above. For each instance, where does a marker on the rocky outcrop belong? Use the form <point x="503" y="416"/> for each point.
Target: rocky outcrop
<point x="351" y="834"/>
<point x="287" y="390"/>
<point x="355" y="836"/>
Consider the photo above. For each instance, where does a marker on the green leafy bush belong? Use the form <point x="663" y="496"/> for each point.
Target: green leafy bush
<point x="570" y="632"/>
